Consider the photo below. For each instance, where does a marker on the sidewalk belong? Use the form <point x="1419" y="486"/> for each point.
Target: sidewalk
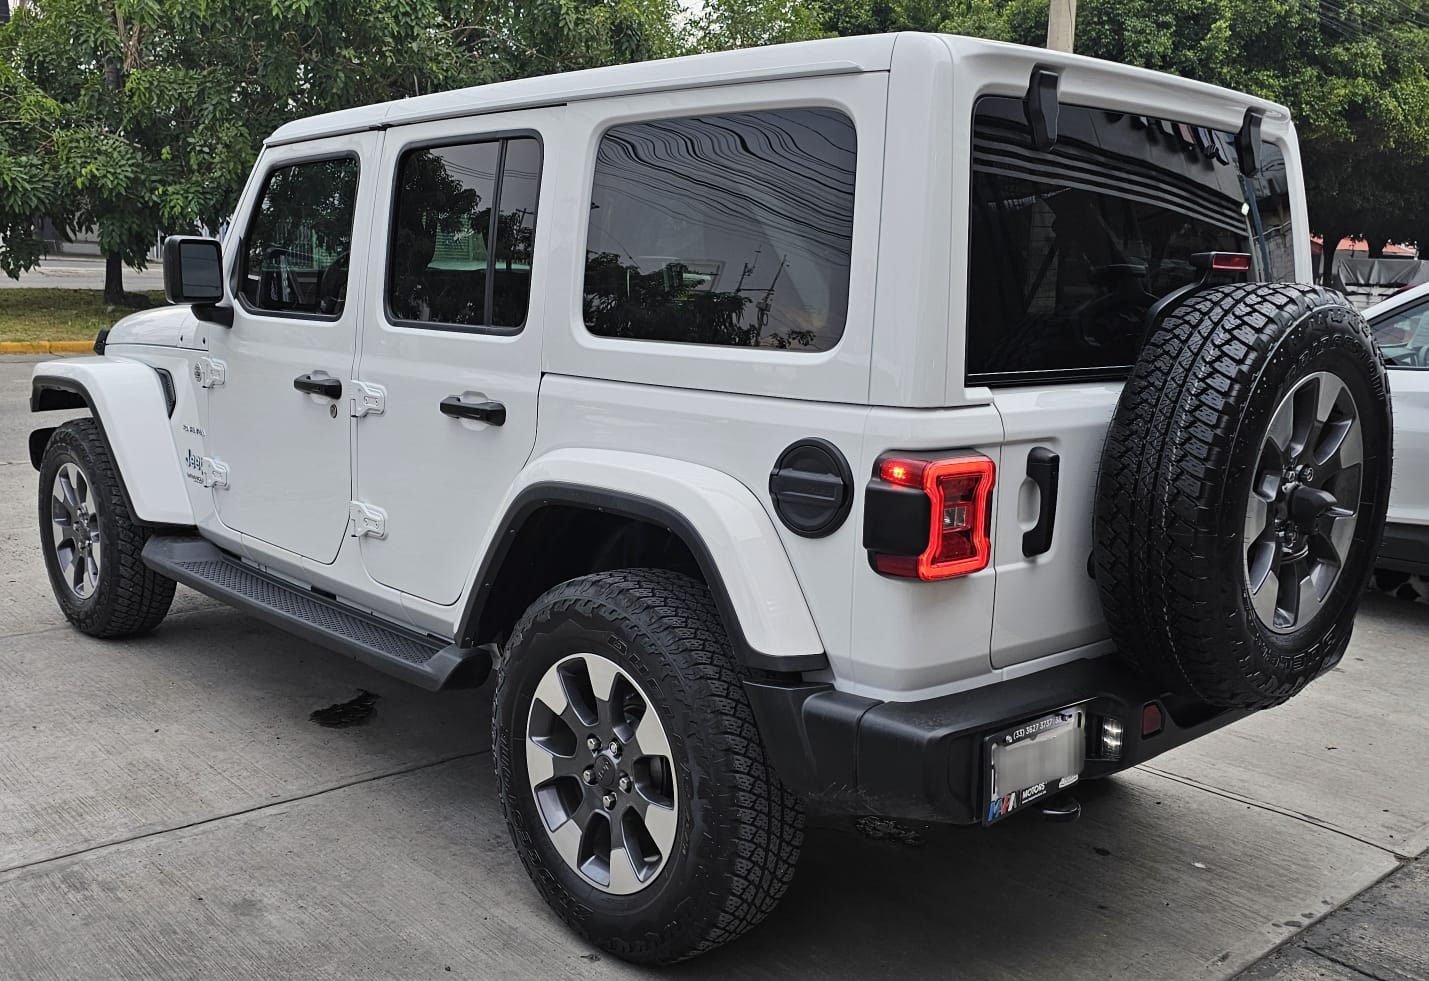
<point x="1382" y="934"/>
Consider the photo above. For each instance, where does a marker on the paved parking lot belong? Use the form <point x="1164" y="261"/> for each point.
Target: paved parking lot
<point x="167" y="810"/>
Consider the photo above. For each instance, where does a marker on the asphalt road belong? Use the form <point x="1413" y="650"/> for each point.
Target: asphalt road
<point x="167" y="810"/>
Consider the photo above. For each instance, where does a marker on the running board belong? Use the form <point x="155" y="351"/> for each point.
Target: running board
<point x="424" y="661"/>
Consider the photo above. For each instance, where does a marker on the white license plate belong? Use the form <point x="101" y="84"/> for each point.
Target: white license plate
<point x="1032" y="760"/>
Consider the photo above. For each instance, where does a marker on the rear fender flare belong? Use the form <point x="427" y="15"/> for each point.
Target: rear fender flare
<point x="127" y="400"/>
<point x="722" y="523"/>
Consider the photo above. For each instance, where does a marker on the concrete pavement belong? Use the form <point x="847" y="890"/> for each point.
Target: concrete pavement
<point x="168" y="811"/>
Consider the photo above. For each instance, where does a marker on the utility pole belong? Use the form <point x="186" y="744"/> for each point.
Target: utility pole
<point x="1061" y="24"/>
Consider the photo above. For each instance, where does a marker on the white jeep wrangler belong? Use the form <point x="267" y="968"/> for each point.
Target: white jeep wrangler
<point x="912" y="424"/>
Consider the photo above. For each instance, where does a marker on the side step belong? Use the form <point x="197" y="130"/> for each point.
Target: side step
<point x="422" y="660"/>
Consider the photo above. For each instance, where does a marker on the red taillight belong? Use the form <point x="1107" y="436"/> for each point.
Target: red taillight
<point x="959" y="496"/>
<point x="1230" y="261"/>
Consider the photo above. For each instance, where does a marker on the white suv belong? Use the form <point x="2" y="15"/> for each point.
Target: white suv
<point x="911" y="423"/>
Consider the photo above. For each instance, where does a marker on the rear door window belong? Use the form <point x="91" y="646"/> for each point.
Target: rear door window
<point x="1069" y="247"/>
<point x="731" y="229"/>
<point x="463" y="233"/>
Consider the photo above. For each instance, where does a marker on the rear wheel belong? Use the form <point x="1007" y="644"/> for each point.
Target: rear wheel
<point x="631" y="773"/>
<point x="92" y="545"/>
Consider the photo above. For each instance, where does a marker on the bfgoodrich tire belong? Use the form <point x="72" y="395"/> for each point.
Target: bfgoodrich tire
<point x="631" y="772"/>
<point x="1242" y="492"/>
<point x="91" y="542"/>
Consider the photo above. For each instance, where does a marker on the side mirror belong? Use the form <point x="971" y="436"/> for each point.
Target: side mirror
<point x="193" y="273"/>
<point x="193" y="270"/>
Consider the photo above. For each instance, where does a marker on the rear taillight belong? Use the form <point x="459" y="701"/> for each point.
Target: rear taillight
<point x="927" y="517"/>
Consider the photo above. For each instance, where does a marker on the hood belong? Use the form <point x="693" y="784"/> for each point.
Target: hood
<point x="170" y="326"/>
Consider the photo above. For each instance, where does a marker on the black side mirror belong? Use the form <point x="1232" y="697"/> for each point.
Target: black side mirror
<point x="193" y="273"/>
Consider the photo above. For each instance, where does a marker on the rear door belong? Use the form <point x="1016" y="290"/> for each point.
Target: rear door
<point x="1068" y="248"/>
<point x="451" y="343"/>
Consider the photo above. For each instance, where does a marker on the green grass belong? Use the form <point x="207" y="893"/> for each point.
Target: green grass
<point x="48" y="314"/>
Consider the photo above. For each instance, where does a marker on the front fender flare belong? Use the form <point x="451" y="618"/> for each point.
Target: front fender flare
<point x="722" y="523"/>
<point x="127" y="400"/>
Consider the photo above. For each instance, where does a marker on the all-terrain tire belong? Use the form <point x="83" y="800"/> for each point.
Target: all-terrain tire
<point x="739" y="831"/>
<point x="1171" y="519"/>
<point x="126" y="598"/>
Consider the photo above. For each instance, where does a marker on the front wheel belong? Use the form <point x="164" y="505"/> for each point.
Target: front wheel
<point x="91" y="542"/>
<point x="631" y="772"/>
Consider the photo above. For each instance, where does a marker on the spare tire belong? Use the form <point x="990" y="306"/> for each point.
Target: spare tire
<point x="1242" y="492"/>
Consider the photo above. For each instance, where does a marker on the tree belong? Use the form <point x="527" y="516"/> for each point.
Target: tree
<point x="725" y="24"/>
<point x="133" y="116"/>
<point x="1354" y="73"/>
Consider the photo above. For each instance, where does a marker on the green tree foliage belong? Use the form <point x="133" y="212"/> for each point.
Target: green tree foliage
<point x="1354" y="73"/>
<point x="132" y="116"/>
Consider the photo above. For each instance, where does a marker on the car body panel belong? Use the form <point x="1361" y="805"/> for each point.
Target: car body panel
<point x="127" y="399"/>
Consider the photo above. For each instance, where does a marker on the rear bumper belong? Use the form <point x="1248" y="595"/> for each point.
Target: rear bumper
<point x="1405" y="548"/>
<point x="924" y="760"/>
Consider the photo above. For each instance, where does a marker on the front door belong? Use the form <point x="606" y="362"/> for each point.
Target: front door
<point x="279" y="422"/>
<point x="451" y="351"/>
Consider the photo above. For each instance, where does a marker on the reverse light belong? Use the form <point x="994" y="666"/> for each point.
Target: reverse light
<point x="927" y="517"/>
<point x="1112" y="733"/>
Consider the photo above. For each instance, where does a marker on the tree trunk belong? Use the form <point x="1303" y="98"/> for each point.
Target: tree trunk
<point x="113" y="279"/>
<point x="1376" y="247"/>
<point x="1329" y="243"/>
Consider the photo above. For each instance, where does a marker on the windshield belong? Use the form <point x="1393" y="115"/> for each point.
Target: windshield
<point x="1403" y="335"/>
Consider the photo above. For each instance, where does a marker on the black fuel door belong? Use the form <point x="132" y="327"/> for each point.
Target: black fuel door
<point x="812" y="488"/>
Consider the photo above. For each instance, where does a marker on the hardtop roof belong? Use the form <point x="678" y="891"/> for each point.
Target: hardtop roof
<point x="847" y="55"/>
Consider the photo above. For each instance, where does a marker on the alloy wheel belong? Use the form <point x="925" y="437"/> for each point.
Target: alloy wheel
<point x="1304" y="502"/>
<point x="600" y="769"/>
<point x="74" y="518"/>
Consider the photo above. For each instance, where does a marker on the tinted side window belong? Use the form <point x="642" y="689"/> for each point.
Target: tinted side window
<point x="296" y="252"/>
<point x="1403" y="336"/>
<point x="728" y="229"/>
<point x="463" y="227"/>
<point x="1068" y="248"/>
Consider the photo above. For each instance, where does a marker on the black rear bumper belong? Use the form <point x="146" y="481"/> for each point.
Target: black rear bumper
<point x="924" y="759"/>
<point x="1405" y="548"/>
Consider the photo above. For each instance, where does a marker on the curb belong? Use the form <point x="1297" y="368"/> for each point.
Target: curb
<point x="46" y="347"/>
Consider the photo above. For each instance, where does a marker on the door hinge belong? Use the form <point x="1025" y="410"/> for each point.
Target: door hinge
<point x="368" y="398"/>
<point x="210" y="372"/>
<point x="213" y="473"/>
<point x="367" y="520"/>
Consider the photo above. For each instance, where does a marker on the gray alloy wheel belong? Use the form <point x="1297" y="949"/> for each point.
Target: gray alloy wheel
<point x="1303" y="504"/>
<point x="599" y="764"/>
<point x="74" y="515"/>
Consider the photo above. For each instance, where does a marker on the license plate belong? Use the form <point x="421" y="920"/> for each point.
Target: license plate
<point x="1032" y="760"/>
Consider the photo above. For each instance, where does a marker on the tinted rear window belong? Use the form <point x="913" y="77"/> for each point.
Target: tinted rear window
<point x="730" y="229"/>
<point x="1069" y="247"/>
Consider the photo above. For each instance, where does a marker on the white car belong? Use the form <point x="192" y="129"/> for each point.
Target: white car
<point x="915" y="424"/>
<point x="1401" y="329"/>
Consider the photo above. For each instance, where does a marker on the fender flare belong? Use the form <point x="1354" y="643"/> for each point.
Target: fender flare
<point x="143" y="444"/>
<point x="722" y="523"/>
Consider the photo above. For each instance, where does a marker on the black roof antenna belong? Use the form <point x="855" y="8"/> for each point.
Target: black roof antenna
<point x="1247" y="143"/>
<point x="1040" y="105"/>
